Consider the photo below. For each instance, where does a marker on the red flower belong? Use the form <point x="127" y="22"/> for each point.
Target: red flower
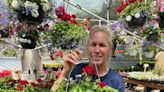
<point x="5" y="73"/>
<point x="73" y="21"/>
<point x="89" y="70"/>
<point x="23" y="82"/>
<point x="33" y="84"/>
<point x="73" y="16"/>
<point x="121" y="7"/>
<point x="59" y="11"/>
<point x="39" y="80"/>
<point x="19" y="87"/>
<point x="132" y="1"/>
<point x="59" y="53"/>
<point x="101" y="84"/>
<point x="89" y="27"/>
<point x="66" y="17"/>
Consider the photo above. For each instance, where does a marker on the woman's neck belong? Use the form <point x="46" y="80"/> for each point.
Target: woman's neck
<point x="102" y="70"/>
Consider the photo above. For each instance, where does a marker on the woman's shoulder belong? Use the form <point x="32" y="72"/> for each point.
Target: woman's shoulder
<point x="114" y="74"/>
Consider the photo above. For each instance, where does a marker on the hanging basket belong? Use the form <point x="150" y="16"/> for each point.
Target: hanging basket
<point x="29" y="19"/>
<point x="28" y="45"/>
<point x="149" y="54"/>
<point x="136" y="22"/>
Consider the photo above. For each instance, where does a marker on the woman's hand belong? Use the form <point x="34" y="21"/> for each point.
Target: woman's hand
<point x="70" y="60"/>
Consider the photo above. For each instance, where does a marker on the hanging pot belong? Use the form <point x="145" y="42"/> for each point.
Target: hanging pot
<point x="149" y="54"/>
<point x="132" y="52"/>
<point x="28" y="18"/>
<point x="161" y="21"/>
<point x="30" y="44"/>
<point x="137" y="22"/>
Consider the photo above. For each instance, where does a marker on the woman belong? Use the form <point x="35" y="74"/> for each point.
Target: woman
<point x="99" y="50"/>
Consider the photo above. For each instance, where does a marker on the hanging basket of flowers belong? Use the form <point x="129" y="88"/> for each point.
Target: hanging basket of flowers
<point x="67" y="32"/>
<point x="30" y="11"/>
<point x="151" y="33"/>
<point x="28" y="36"/>
<point x="134" y="12"/>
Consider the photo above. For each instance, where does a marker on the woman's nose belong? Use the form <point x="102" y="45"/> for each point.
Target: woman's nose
<point x="96" y="49"/>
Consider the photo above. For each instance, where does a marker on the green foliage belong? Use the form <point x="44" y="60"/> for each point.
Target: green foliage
<point x="136" y="7"/>
<point x="66" y="33"/>
<point x="84" y="86"/>
<point x="9" y="52"/>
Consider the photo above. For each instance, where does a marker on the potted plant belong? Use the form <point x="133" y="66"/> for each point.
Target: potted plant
<point x="151" y="33"/>
<point x="30" y="11"/>
<point x="149" y="49"/>
<point x="67" y="32"/>
<point x="161" y="13"/>
<point x="134" y="12"/>
<point x="83" y="83"/>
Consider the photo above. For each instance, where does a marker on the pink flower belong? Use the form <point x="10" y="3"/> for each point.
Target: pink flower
<point x="162" y="8"/>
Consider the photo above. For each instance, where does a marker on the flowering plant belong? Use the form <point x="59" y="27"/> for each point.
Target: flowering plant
<point x="9" y="84"/>
<point x="151" y="33"/>
<point x="149" y="46"/>
<point x="67" y="32"/>
<point x="133" y="10"/>
<point x="83" y="83"/>
<point x="161" y="8"/>
<point x="30" y="11"/>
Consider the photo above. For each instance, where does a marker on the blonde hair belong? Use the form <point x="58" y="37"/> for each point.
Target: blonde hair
<point x="105" y="29"/>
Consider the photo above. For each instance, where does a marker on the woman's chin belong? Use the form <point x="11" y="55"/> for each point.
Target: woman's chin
<point x="96" y="62"/>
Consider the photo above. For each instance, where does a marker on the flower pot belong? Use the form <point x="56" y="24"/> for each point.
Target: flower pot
<point x="28" y="18"/>
<point x="136" y="22"/>
<point x="132" y="52"/>
<point x="31" y="45"/>
<point x="149" y="54"/>
<point x="161" y="21"/>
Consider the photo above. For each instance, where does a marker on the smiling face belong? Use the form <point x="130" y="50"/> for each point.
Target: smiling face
<point x="98" y="48"/>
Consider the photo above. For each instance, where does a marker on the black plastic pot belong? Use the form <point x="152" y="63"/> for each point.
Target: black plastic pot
<point x="136" y="22"/>
<point x="32" y="45"/>
<point x="161" y="21"/>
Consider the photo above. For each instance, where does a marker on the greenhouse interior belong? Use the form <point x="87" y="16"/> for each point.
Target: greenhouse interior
<point x="81" y="45"/>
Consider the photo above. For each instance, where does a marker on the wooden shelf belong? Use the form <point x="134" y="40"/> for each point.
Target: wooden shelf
<point x="145" y="84"/>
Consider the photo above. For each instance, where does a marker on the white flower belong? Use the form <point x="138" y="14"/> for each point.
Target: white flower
<point x="23" y="35"/>
<point x="34" y="6"/>
<point x="29" y="41"/>
<point x="45" y="7"/>
<point x="27" y="4"/>
<point x="35" y="13"/>
<point x="20" y="39"/>
<point x="137" y="15"/>
<point x="15" y="4"/>
<point x="46" y="1"/>
<point x="128" y="18"/>
<point x="146" y="65"/>
<point x="31" y="5"/>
